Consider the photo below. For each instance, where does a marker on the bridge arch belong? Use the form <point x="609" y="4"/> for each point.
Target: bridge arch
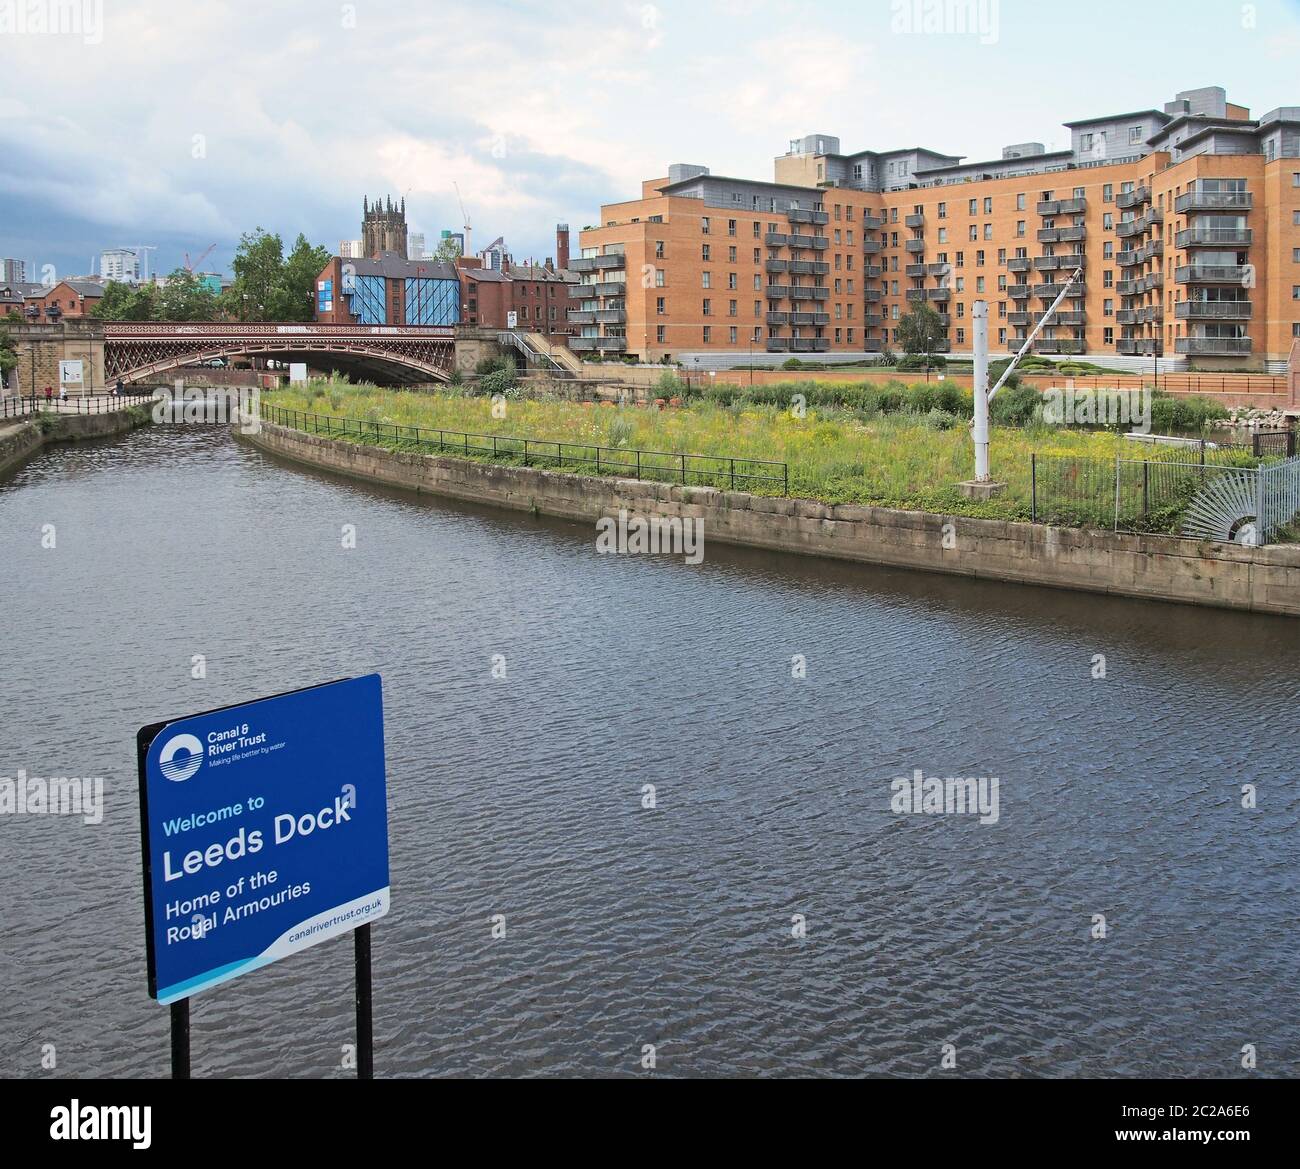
<point x="137" y="352"/>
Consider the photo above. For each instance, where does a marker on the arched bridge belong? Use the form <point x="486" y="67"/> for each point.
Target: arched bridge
<point x="409" y="354"/>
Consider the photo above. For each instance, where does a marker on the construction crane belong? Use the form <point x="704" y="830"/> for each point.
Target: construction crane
<point x="469" y="251"/>
<point x="143" y="250"/>
<point x="191" y="265"/>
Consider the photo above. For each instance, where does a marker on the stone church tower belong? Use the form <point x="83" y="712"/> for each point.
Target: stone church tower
<point x="383" y="228"/>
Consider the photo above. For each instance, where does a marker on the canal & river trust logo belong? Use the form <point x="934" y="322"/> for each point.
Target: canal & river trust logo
<point x="180" y="757"/>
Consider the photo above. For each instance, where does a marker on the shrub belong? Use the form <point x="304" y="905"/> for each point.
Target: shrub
<point x="500" y="381"/>
<point x="1015" y="405"/>
<point x="915" y="361"/>
<point x="455" y="378"/>
<point x="792" y="363"/>
<point x="669" y="385"/>
<point x="490" y="365"/>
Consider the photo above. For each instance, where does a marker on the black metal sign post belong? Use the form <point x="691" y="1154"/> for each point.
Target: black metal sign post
<point x="181" y="1039"/>
<point x="365" y="1023"/>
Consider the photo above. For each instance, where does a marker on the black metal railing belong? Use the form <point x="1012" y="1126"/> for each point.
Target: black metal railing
<point x="16" y="407"/>
<point x="665" y="466"/>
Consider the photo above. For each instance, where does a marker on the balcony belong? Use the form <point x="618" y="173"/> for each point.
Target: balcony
<point x="1211" y="237"/>
<point x="611" y="316"/>
<point x="1211" y="274"/>
<point x="1155" y="247"/>
<point x="1070" y="319"/>
<point x="1138" y="347"/>
<point x="1018" y="291"/>
<point x="1062" y="235"/>
<point x="1064" y="346"/>
<point x="800" y="241"/>
<point x="915" y="271"/>
<point x="1127" y="228"/>
<point x="872" y="295"/>
<point x="581" y="317"/>
<point x="915" y="246"/>
<point x="1127" y="316"/>
<point x="1155" y="280"/>
<point x="1128" y="287"/>
<point x="1153" y="314"/>
<point x="914" y="221"/>
<point x="776" y="239"/>
<point x="1214" y="201"/>
<point x="1212" y="346"/>
<point x="872" y="223"/>
<point x="944" y="319"/>
<point x="777" y="291"/>
<point x="809" y="344"/>
<point x="939" y="294"/>
<point x="938" y="269"/>
<point x="873" y="320"/>
<point x="588" y="291"/>
<point x="1129" y="258"/>
<point x="810" y="318"/>
<point x="871" y="246"/>
<point x="871" y="272"/>
<point x="1213" y="310"/>
<point x="777" y="266"/>
<point x="582" y="344"/>
<point x="778" y="345"/>
<point x="1048" y="263"/>
<point x="1021" y="320"/>
<point x="597" y="263"/>
<point x="1052" y="291"/>
<point x="614" y="344"/>
<point x="809" y="267"/>
<point x="1019" y="264"/>
<point x="778" y="318"/>
<point x="820" y="243"/>
<point x="1127" y="200"/>
<point x="1062" y="207"/>
<point x="797" y="293"/>
<point x="872" y="345"/>
<point x="916" y="295"/>
<point x="799" y="215"/>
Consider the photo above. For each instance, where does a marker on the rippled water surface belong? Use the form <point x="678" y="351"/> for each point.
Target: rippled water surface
<point x="522" y="796"/>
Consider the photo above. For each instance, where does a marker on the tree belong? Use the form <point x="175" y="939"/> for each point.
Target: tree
<point x="127" y="302"/>
<point x="302" y="267"/>
<point x="269" y="287"/>
<point x="257" y="289"/>
<point x="920" y="331"/>
<point x="8" y="354"/>
<point x="448" y="251"/>
<point x="186" y="298"/>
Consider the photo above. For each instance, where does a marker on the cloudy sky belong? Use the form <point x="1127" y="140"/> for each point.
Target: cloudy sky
<point x="182" y="123"/>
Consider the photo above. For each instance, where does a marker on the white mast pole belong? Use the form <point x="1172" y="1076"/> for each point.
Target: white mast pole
<point x="980" y="314"/>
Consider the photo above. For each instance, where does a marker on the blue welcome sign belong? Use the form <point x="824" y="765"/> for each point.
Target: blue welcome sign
<point x="264" y="831"/>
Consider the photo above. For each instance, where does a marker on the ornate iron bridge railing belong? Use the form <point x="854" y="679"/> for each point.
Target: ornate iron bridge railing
<point x="134" y="351"/>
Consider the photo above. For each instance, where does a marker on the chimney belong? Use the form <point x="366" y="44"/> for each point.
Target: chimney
<point x="562" y="245"/>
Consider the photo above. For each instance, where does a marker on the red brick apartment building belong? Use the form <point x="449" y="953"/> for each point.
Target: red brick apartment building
<point x="1185" y="220"/>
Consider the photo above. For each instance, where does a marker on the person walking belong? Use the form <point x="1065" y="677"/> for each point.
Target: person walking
<point x="49" y="395"/>
<point x="117" y="387"/>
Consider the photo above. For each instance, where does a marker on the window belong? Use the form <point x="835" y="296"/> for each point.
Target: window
<point x="758" y="256"/>
<point x="1020" y="202"/>
<point x="659" y="249"/>
<point x="758" y="229"/>
<point x="706" y="252"/>
<point x="974" y="231"/>
<point x="731" y="255"/>
<point x="988" y="205"/>
<point x="1107" y="308"/>
<point x="1085" y="142"/>
<point x="659" y="306"/>
<point x="1020" y="227"/>
<point x="708" y="335"/>
<point x="661" y="334"/>
<point x="731" y="281"/>
<point x="659" y="277"/>
<point x="732" y="335"/>
<point x="1108" y="278"/>
<point x="1134" y="135"/>
<point x="1295" y="255"/>
<point x="733" y="308"/>
<point x="943" y="235"/>
<point x="1295" y="179"/>
<point x="1108" y="222"/>
<point x="961" y="336"/>
<point x="708" y="279"/>
<point x="974" y="207"/>
<point x="731" y="227"/>
<point x="707" y="307"/>
<point x="1108" y="336"/>
<point x="979" y="283"/>
<point x="1108" y="193"/>
<point x="1295" y="292"/>
<point x="704" y="225"/>
<point x="988" y="231"/>
<point x="943" y="211"/>
<point x="979" y="258"/>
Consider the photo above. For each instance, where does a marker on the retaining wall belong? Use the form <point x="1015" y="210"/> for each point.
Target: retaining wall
<point x="1265" y="580"/>
<point x="23" y="439"/>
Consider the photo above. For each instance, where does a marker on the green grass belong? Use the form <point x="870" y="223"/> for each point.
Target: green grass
<point x="834" y="455"/>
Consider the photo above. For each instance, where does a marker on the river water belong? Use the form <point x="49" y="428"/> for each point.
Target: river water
<point x="522" y="796"/>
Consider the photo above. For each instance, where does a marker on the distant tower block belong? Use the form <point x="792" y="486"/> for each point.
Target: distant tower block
<point x="561" y="246"/>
